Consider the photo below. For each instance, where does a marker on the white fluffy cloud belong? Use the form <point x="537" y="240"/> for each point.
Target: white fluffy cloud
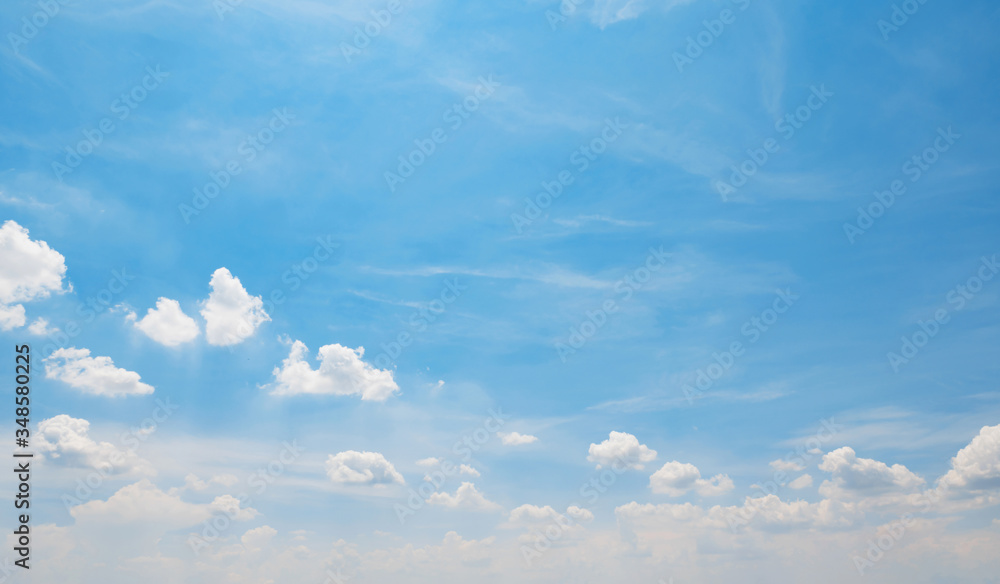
<point x="621" y="447"/>
<point x="66" y="441"/>
<point x="677" y="478"/>
<point x="786" y="466"/>
<point x="40" y="327"/>
<point x="167" y="324"/>
<point x="94" y="375"/>
<point x="465" y="497"/>
<point x="516" y="438"/>
<point x="29" y="270"/>
<point x="143" y="502"/>
<point x="801" y="482"/>
<point x="231" y="314"/>
<point x="341" y="372"/>
<point x="532" y="515"/>
<point x="854" y="476"/>
<point x="11" y="317"/>
<point x="361" y="468"/>
<point x="977" y="466"/>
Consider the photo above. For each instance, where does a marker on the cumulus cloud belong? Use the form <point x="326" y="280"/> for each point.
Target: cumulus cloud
<point x="977" y="466"/>
<point x="853" y="476"/>
<point x="579" y="514"/>
<point x="516" y="438"/>
<point x="341" y="372"/>
<point x="621" y="447"/>
<point x="258" y="537"/>
<point x="677" y="478"/>
<point x="66" y="441"/>
<point x="93" y="375"/>
<point x="469" y="470"/>
<point x="40" y="327"/>
<point x="786" y="466"/>
<point x="530" y="514"/>
<point x="11" y="317"/>
<point x="167" y="324"/>
<point x="801" y="482"/>
<point x="143" y="502"/>
<point x="361" y="468"/>
<point x="465" y="497"/>
<point x="231" y="314"/>
<point x="29" y="270"/>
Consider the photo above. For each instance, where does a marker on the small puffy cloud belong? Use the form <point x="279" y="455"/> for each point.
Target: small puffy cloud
<point x="29" y="270"/>
<point x="468" y="470"/>
<point x="428" y="462"/>
<point x="863" y="476"/>
<point x="786" y="466"/>
<point x="167" y="324"/>
<point x="977" y="466"/>
<point x="516" y="438"/>
<point x="230" y="506"/>
<point x="802" y="482"/>
<point x="530" y="514"/>
<point x="66" y="441"/>
<point x="579" y="514"/>
<point x="231" y="314"/>
<point x="677" y="478"/>
<point x="621" y="447"/>
<point x="341" y="372"/>
<point x="361" y="468"/>
<point x="40" y="327"/>
<point x="93" y="375"/>
<point x="465" y="497"/>
<point x="11" y="317"/>
<point x="258" y="537"/>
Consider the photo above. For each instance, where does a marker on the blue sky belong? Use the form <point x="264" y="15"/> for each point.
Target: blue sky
<point x="513" y="98"/>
